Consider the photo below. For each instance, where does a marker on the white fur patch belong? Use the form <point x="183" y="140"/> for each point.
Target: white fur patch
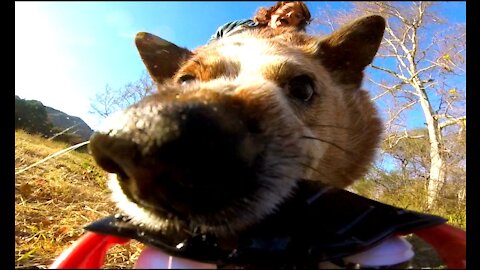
<point x="253" y="54"/>
<point x="138" y="214"/>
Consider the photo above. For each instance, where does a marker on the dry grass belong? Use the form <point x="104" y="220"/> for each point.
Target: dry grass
<point x="54" y="200"/>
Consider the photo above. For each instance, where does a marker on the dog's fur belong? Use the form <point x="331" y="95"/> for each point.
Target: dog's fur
<point x="233" y="126"/>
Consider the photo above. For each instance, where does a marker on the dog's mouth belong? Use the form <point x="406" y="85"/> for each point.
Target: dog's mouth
<point x="188" y="192"/>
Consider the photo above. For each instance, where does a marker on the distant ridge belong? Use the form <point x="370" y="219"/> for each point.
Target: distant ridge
<point x="64" y="121"/>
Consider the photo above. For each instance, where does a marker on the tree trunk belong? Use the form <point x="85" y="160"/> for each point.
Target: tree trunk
<point x="437" y="162"/>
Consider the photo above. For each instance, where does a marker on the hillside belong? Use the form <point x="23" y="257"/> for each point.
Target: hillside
<point x="63" y="120"/>
<point x="33" y="116"/>
<point x="54" y="200"/>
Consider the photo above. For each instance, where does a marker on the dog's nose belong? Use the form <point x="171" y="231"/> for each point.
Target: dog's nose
<point x="189" y="145"/>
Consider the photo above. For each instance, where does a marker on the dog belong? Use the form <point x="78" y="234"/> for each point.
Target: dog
<point x="236" y="123"/>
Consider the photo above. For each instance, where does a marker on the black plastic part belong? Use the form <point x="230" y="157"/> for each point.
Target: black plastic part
<point x="319" y="223"/>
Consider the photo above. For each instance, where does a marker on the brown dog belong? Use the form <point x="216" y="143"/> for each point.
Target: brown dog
<point x="237" y="123"/>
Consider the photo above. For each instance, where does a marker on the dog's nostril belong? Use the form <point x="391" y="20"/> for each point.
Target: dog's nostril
<point x="107" y="164"/>
<point x="112" y="167"/>
<point x="253" y="126"/>
<point x="108" y="153"/>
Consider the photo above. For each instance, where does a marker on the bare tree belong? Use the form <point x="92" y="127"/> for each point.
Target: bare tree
<point x="109" y="100"/>
<point x="420" y="66"/>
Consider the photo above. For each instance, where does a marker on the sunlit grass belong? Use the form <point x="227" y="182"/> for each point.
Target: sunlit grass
<point x="55" y="199"/>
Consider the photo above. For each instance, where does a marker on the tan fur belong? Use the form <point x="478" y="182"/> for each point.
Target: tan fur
<point x="331" y="138"/>
<point x="353" y="121"/>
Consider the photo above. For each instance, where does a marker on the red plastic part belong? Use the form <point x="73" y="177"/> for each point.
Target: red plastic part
<point x="90" y="250"/>
<point x="449" y="242"/>
<point x="87" y="252"/>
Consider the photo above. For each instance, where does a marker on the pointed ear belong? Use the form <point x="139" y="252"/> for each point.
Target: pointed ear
<point x="347" y="51"/>
<point x="162" y="58"/>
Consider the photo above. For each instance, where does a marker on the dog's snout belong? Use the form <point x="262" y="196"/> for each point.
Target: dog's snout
<point x="192" y="147"/>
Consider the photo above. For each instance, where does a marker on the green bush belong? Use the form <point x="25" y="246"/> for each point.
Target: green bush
<point x="412" y="195"/>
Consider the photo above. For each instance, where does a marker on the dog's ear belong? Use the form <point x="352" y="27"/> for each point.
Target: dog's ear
<point x="347" y="51"/>
<point x="162" y="58"/>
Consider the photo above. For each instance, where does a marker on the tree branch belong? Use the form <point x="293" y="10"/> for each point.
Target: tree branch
<point x="454" y="121"/>
<point x="405" y="136"/>
<point x="400" y="111"/>
<point x="423" y="70"/>
<point x="391" y="72"/>
<point x="388" y="88"/>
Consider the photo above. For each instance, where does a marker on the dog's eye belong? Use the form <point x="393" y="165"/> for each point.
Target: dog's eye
<point x="301" y="88"/>
<point x="184" y="79"/>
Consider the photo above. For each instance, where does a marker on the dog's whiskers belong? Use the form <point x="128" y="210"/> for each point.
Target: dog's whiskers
<point x="313" y="169"/>
<point x="331" y="143"/>
<point x="328" y="126"/>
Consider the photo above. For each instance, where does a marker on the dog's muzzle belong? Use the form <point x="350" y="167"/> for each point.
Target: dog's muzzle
<point x="193" y="154"/>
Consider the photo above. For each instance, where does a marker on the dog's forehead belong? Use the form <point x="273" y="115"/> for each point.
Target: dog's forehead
<point x="253" y="53"/>
<point x="246" y="46"/>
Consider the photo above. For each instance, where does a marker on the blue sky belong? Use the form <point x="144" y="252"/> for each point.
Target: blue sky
<point x="65" y="52"/>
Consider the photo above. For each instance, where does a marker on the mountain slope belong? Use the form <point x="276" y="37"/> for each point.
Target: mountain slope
<point x="63" y="120"/>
